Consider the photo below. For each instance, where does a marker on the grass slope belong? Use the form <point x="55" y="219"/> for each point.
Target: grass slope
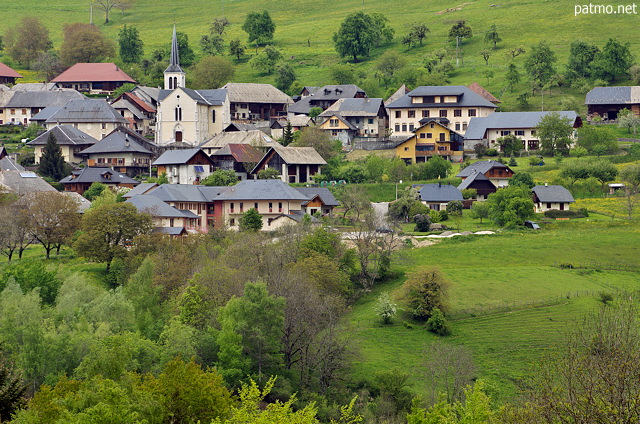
<point x="304" y="29"/>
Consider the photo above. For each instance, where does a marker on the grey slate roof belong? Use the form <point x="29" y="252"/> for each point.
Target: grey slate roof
<point x="354" y="107"/>
<point x="8" y="164"/>
<point x="553" y="194"/>
<point x="64" y="134"/>
<point x="155" y="207"/>
<point x="116" y="142"/>
<point x="214" y="97"/>
<point x="256" y="93"/>
<point x="322" y="192"/>
<point x="92" y="175"/>
<point x="468" y="97"/>
<point x="341" y="119"/>
<point x="141" y="188"/>
<point x="45" y="114"/>
<point x="176" y="157"/>
<point x="21" y="182"/>
<point x="482" y="166"/>
<point x="507" y="120"/>
<point x="261" y="190"/>
<point x="440" y="193"/>
<point x="39" y="99"/>
<point x="298" y="216"/>
<point x="475" y="176"/>
<point x="327" y="93"/>
<point x="169" y="231"/>
<point x="87" y="110"/>
<point x="613" y="95"/>
<point x="185" y="192"/>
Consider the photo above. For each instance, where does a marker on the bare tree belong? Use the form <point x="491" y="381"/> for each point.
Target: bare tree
<point x="448" y="369"/>
<point x="14" y="230"/>
<point x="106" y="6"/>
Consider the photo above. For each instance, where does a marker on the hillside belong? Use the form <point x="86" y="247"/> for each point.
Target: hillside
<point x="304" y="29"/>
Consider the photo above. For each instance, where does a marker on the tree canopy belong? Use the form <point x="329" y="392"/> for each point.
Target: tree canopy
<point x="212" y="72"/>
<point x="539" y="63"/>
<point x="84" y="43"/>
<point x="52" y="162"/>
<point x="130" y="45"/>
<point x="511" y="206"/>
<point x="26" y="40"/>
<point x="554" y="132"/>
<point x="260" y="27"/>
<point x="356" y="36"/>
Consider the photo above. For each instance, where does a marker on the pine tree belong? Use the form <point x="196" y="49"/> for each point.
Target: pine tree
<point x="287" y="136"/>
<point x="12" y="392"/>
<point x="52" y="163"/>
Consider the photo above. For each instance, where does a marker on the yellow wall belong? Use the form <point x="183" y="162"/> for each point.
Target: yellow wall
<point x="407" y="150"/>
<point x="327" y="125"/>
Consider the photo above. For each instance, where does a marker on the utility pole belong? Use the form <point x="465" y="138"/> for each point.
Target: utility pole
<point x="457" y="51"/>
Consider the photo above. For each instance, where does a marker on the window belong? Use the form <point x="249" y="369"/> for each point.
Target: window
<point x="548" y="205"/>
<point x="178" y="113"/>
<point x="270" y="207"/>
<point x="398" y="114"/>
<point x="520" y="132"/>
<point x="255" y="206"/>
<point x="24" y="111"/>
<point x="279" y="206"/>
<point x="464" y="126"/>
<point x="503" y="133"/>
<point x="397" y="127"/>
<point x="471" y="112"/>
<point x="429" y="135"/>
<point x="357" y="120"/>
<point x="443" y="137"/>
<point x="213" y="116"/>
<point x="170" y="222"/>
<point x="406" y="149"/>
<point x="334" y="133"/>
<point x="333" y="122"/>
<point x="412" y="114"/>
<point x="443" y="113"/>
<point x="457" y="112"/>
<point x="533" y="133"/>
<point x="241" y="207"/>
<point x="404" y="127"/>
<point x="232" y="222"/>
<point x="423" y="135"/>
<point x="370" y="121"/>
<point x="411" y="127"/>
<point x="457" y="126"/>
<point x="13" y="111"/>
<point x="425" y="113"/>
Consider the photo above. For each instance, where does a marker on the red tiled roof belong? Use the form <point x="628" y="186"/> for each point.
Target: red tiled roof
<point x="93" y="72"/>
<point x="478" y="89"/>
<point x="245" y="153"/>
<point x="5" y="71"/>
<point x="140" y="103"/>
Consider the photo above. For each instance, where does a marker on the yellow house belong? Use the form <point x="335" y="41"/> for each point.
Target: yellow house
<point x="70" y="139"/>
<point x="430" y="140"/>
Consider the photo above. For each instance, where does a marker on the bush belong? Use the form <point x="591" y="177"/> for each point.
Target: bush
<point x="469" y="193"/>
<point x="480" y="149"/>
<point x="385" y="308"/>
<point x="491" y="152"/>
<point x="423" y="222"/>
<point x="605" y="297"/>
<point x="438" y="324"/>
<point x="424" y="291"/>
<point x="454" y="207"/>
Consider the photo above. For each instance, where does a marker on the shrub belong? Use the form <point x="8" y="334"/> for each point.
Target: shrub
<point x="454" y="207"/>
<point x="435" y="216"/>
<point x="438" y="324"/>
<point x="423" y="222"/>
<point x="385" y="308"/>
<point x="605" y="297"/>
<point x="469" y="193"/>
<point x="480" y="149"/>
<point x="491" y="152"/>
<point x="424" y="291"/>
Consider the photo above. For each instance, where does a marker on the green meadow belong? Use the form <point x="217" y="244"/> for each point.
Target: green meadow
<point x="512" y="297"/>
<point x="304" y="30"/>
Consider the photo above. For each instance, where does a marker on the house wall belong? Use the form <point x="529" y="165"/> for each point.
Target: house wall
<point x="185" y="173"/>
<point x="97" y="130"/>
<point x="232" y="216"/>
<point x="403" y="125"/>
<point x="427" y="135"/>
<point x="68" y="152"/>
<point x="555" y="206"/>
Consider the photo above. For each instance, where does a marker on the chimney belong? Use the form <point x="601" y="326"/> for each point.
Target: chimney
<point x="126" y="140"/>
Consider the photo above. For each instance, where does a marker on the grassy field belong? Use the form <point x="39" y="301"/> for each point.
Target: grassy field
<point x="304" y="29"/>
<point x="510" y="300"/>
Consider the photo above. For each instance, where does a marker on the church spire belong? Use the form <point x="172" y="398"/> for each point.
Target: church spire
<point x="174" y="76"/>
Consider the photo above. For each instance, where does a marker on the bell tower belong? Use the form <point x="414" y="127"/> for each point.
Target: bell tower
<point x="174" y="76"/>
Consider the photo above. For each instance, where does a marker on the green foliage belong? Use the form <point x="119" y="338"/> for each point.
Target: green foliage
<point x="94" y="190"/>
<point x="511" y="206"/>
<point x="212" y="72"/>
<point x="437" y="323"/>
<point x="251" y="220"/>
<point x="594" y="139"/>
<point x="630" y="174"/>
<point x="236" y="48"/>
<point x="469" y="193"/>
<point x="581" y="55"/>
<point x="130" y="44"/>
<point x="474" y="410"/>
<point x="124" y="88"/>
<point x="425" y="290"/>
<point x="267" y="60"/>
<point x="25" y="41"/>
<point x="212" y="45"/>
<point x="85" y="43"/>
<point x="480" y="210"/>
<point x="423" y="222"/>
<point x="613" y="61"/>
<point x="52" y="162"/>
<point x="185" y="52"/>
<point x="12" y="391"/>
<point x="600" y="169"/>
<point x="356" y="36"/>
<point x="381" y="32"/>
<point x="260" y="27"/>
<point x="539" y="63"/>
<point x="33" y="275"/>
<point x="510" y="144"/>
<point x="268" y="174"/>
<point x="578" y="152"/>
<point x="219" y="178"/>
<point x="385" y="308"/>
<point x="492" y="36"/>
<point x="627" y="119"/>
<point x="394" y="387"/>
<point x="522" y="179"/>
<point x="454" y="207"/>
<point x="554" y="131"/>
<point x="480" y="149"/>
<point x="417" y="31"/>
<point x="460" y="29"/>
<point x="285" y="76"/>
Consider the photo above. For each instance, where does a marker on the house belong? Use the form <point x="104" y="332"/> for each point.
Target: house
<point x="8" y="164"/>
<point x="324" y="97"/>
<point x="367" y="117"/>
<point x="478" y="89"/>
<point x="80" y="181"/>
<point x="297" y="122"/>
<point x="240" y="158"/>
<point x="239" y="126"/>
<point x="551" y="197"/>
<point x="400" y="92"/>
<point x="21" y="182"/>
<point x="92" y="116"/>
<point x="457" y="103"/>
<point x="123" y="150"/>
<point x="93" y="78"/>
<point x="321" y="200"/>
<point x="20" y="106"/>
<point x="252" y="103"/>
<point x="70" y="139"/>
<point x="436" y="196"/>
<point x="140" y="114"/>
<point x="479" y="182"/>
<point x="166" y="219"/>
<point x="8" y="75"/>
<point x="488" y="129"/>
<point x="271" y="198"/>
<point x="149" y="95"/>
<point x="606" y="102"/>
<point x="498" y="173"/>
<point x="256" y="138"/>
<point x="432" y="138"/>
<point x="188" y="166"/>
<point x="295" y="164"/>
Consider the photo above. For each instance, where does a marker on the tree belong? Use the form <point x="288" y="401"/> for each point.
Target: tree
<point x="260" y="27"/>
<point x="554" y="132"/>
<point x="267" y="59"/>
<point x="48" y="65"/>
<point x="425" y="290"/>
<point x="422" y="221"/>
<point x="594" y="138"/>
<point x="510" y="144"/>
<point x="53" y="219"/>
<point x="186" y="53"/>
<point x="385" y="308"/>
<point x="52" y="162"/>
<point x="94" y="191"/>
<point x="12" y="391"/>
<point x="108" y="230"/>
<point x="251" y="220"/>
<point x="84" y="43"/>
<point x="486" y="54"/>
<point x="342" y="73"/>
<point x="627" y="119"/>
<point x="356" y="36"/>
<point x="381" y="32"/>
<point x="285" y="76"/>
<point x="219" y="178"/>
<point x="268" y="174"/>
<point x="418" y="31"/>
<point x="124" y="5"/>
<point x="287" y="134"/>
<point x="460" y="30"/>
<point x="581" y="55"/>
<point x="522" y="179"/>
<point x="630" y="174"/>
<point x="389" y="64"/>
<point x="219" y="26"/>
<point x="27" y="40"/>
<point x="480" y="210"/>
<point x="511" y="206"/>
<point x="14" y="229"/>
<point x="319" y="140"/>
<point x="212" y="72"/>
<point x="539" y="63"/>
<point x="236" y="48"/>
<point x="130" y="44"/>
<point x="106" y="6"/>
<point x="492" y="36"/>
<point x="513" y="76"/>
<point x="212" y="45"/>
<point x="613" y="61"/>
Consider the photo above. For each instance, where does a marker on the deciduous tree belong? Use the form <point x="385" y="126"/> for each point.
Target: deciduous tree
<point x="418" y="31"/>
<point x="285" y="76"/>
<point x="266" y="61"/>
<point x="130" y="44"/>
<point x="479" y="210"/>
<point x="251" y="220"/>
<point x="425" y="290"/>
<point x="212" y="72"/>
<point x="510" y="145"/>
<point x="220" y="177"/>
<point x="84" y="43"/>
<point x="581" y="55"/>
<point x="356" y="36"/>
<point x="539" y="63"/>
<point x="554" y="131"/>
<point x="613" y="61"/>
<point x="492" y="36"/>
<point x="27" y="40"/>
<point x="460" y="30"/>
<point x="236" y="48"/>
<point x="260" y="27"/>
<point x="510" y="206"/>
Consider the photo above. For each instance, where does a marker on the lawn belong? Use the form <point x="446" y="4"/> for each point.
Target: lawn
<point x="510" y="299"/>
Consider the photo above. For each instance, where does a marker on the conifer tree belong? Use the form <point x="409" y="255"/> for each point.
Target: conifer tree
<point x="52" y="162"/>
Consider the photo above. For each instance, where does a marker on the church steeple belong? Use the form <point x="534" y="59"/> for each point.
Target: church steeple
<point x="174" y="76"/>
